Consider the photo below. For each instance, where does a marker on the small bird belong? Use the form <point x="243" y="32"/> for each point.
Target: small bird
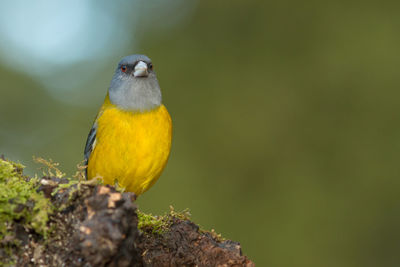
<point x="130" y="140"/>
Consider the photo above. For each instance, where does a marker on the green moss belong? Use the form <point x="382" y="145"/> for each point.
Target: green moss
<point x="52" y="167"/>
<point x="218" y="237"/>
<point x="73" y="184"/>
<point x="153" y="224"/>
<point x="149" y="223"/>
<point x="20" y="201"/>
<point x="183" y="215"/>
<point x="160" y="224"/>
<point x="70" y="185"/>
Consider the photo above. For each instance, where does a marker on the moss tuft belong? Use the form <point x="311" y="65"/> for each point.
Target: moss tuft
<point x="149" y="223"/>
<point x="183" y="215"/>
<point x="153" y="224"/>
<point x="52" y="167"/>
<point x="22" y="204"/>
<point x="19" y="199"/>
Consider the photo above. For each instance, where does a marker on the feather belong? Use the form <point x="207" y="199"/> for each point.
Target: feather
<point x="90" y="143"/>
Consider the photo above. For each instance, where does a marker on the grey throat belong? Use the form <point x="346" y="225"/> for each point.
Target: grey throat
<point x="135" y="93"/>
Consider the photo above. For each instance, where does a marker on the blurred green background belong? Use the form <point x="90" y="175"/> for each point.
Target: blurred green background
<point x="286" y="114"/>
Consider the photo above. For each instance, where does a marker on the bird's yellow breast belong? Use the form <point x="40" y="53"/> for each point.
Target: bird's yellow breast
<point x="130" y="148"/>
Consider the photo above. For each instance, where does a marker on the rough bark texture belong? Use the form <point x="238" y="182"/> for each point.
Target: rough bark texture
<point x="184" y="245"/>
<point x="95" y="225"/>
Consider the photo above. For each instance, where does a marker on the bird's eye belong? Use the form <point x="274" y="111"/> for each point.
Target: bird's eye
<point x="123" y="68"/>
<point x="150" y="66"/>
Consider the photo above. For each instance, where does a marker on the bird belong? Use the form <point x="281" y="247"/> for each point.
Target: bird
<point x="130" y="141"/>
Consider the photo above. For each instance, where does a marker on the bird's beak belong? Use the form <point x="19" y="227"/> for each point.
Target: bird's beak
<point x="141" y="70"/>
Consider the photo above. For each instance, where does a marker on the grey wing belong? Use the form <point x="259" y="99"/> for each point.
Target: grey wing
<point x="90" y="144"/>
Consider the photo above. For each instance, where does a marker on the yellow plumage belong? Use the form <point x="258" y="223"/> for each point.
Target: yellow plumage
<point x="131" y="148"/>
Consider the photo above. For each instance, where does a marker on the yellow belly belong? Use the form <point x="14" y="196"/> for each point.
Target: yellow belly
<point x="131" y="148"/>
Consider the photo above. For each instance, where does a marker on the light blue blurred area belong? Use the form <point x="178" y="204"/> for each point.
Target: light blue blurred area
<point x="52" y="40"/>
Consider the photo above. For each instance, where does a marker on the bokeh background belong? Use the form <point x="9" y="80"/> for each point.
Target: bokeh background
<point x="286" y="113"/>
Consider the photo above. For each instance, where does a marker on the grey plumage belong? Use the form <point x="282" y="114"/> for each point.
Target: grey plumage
<point x="135" y="93"/>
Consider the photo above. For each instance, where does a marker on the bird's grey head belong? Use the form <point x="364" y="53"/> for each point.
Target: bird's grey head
<point x="134" y="86"/>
